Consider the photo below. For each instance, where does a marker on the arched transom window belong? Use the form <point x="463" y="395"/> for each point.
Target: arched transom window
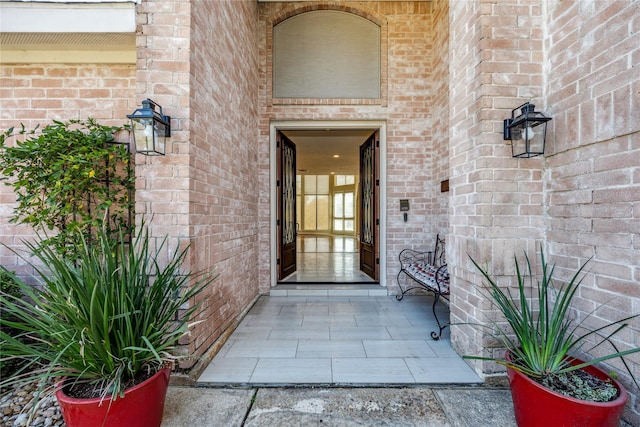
<point x="326" y="54"/>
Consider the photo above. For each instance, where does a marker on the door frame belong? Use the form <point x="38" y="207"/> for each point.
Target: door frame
<point x="274" y="127"/>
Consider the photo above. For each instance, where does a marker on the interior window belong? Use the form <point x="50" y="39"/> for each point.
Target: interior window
<point x="315" y="202"/>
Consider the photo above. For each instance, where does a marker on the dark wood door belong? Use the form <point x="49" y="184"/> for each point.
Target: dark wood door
<point x="286" y="222"/>
<point x="369" y="221"/>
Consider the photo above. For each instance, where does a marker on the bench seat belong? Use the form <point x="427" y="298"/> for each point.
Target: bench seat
<point x="425" y="270"/>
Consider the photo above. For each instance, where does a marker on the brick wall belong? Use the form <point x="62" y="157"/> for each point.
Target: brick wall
<point x="199" y="193"/>
<point x="406" y="105"/>
<point x="224" y="155"/>
<point x="40" y="93"/>
<point x="577" y="61"/>
<point x="592" y="175"/>
<point x="199" y="60"/>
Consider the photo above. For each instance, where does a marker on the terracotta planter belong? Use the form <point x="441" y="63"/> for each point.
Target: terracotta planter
<point x="537" y="406"/>
<point x="142" y="406"/>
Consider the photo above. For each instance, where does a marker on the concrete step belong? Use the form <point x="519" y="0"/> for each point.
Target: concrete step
<point x="328" y="290"/>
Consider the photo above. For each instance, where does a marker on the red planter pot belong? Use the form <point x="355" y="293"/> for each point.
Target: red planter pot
<point x="537" y="406"/>
<point x="142" y="406"/>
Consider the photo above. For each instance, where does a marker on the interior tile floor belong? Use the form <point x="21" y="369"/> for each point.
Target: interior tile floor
<point x="307" y="339"/>
<point x="327" y="258"/>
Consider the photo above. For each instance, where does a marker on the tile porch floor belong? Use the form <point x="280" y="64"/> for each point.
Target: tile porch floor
<point x="337" y="335"/>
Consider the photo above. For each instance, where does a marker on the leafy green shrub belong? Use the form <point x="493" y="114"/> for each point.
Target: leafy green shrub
<point x="69" y="176"/>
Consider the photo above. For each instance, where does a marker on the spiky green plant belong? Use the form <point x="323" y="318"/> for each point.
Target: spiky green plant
<point x="541" y="336"/>
<point x="112" y="313"/>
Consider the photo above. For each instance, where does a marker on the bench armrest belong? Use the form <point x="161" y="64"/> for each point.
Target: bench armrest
<point x="410" y="256"/>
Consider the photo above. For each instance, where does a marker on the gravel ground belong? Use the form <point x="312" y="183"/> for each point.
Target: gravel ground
<point x="15" y="409"/>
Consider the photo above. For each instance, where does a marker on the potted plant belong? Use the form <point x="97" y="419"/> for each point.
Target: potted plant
<point x="99" y="330"/>
<point x="550" y="386"/>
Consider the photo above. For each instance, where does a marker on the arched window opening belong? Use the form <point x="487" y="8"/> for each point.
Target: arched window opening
<point x="326" y="54"/>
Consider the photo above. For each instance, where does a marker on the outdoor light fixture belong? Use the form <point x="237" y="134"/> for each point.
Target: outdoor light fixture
<point x="150" y="129"/>
<point x="527" y="131"/>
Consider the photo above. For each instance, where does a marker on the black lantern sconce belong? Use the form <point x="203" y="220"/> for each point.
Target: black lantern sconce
<point x="150" y="129"/>
<point x="527" y="131"/>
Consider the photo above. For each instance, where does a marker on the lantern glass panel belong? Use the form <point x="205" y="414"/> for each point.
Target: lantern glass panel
<point x="535" y="136"/>
<point x="518" y="144"/>
<point x="149" y="136"/>
<point x="527" y="138"/>
<point x="159" y="137"/>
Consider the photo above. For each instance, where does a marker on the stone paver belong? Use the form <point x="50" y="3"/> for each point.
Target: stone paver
<point x="201" y="407"/>
<point x="338" y="407"/>
<point x="470" y="407"/>
<point x="346" y="407"/>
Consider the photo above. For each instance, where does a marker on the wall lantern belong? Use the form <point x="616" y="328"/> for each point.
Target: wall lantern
<point x="527" y="132"/>
<point x="150" y="128"/>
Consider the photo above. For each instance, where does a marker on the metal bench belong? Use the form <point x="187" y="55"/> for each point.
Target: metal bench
<point x="428" y="271"/>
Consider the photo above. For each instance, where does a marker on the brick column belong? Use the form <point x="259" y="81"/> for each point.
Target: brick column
<point x="162" y="182"/>
<point x="496" y="201"/>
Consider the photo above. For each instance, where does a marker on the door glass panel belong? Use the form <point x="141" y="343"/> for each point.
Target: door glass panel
<point x="289" y="195"/>
<point x="367" y="183"/>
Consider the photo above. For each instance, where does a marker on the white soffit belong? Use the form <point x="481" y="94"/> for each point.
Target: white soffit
<point x="67" y="17"/>
<point x="67" y="31"/>
<point x="67" y="48"/>
<point x="72" y="41"/>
